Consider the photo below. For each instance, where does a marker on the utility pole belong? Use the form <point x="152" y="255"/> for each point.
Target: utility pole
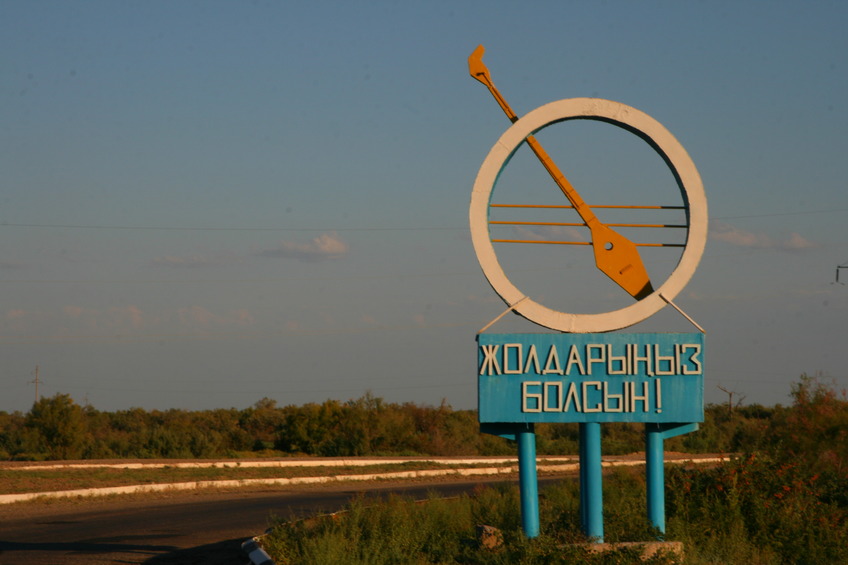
<point x="839" y="268"/>
<point x="730" y="394"/>
<point x="36" y="381"/>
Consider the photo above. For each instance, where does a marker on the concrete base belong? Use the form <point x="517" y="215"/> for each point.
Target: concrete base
<point x="649" y="548"/>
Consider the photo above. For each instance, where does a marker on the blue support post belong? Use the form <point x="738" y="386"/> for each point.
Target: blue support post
<point x="528" y="482"/>
<point x="655" y="476"/>
<point x="584" y="503"/>
<point x="655" y="435"/>
<point x="591" y="482"/>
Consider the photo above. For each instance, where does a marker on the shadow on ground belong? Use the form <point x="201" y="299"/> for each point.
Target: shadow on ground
<point x="221" y="553"/>
<point x="36" y="552"/>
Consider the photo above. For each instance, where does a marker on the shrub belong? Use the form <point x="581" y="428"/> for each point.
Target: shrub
<point x="759" y="509"/>
<point x="57" y="427"/>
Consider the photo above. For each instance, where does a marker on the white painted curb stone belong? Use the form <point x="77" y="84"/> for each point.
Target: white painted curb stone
<point x="257" y="555"/>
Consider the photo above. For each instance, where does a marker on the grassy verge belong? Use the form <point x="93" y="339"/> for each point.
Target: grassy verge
<point x="751" y="510"/>
<point x="44" y="480"/>
<point x="444" y="531"/>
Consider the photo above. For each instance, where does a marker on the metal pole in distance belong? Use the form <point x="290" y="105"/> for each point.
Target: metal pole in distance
<point x="591" y="481"/>
<point x="528" y="481"/>
<point x="655" y="476"/>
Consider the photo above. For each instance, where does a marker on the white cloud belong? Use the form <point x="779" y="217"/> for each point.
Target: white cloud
<point x="490" y="298"/>
<point x="73" y="311"/>
<point x="130" y="317"/>
<point x="198" y="316"/>
<point x="122" y="316"/>
<point x="116" y="318"/>
<point x="419" y="320"/>
<point x="18" y="319"/>
<point x="732" y="235"/>
<point x="797" y="241"/>
<point x="325" y="246"/>
<point x="187" y="262"/>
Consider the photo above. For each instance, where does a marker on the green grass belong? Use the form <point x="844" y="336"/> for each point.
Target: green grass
<point x="44" y="480"/>
<point x="754" y="511"/>
<point x="401" y="531"/>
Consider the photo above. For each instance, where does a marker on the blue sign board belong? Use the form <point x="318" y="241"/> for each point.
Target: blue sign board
<point x="614" y="377"/>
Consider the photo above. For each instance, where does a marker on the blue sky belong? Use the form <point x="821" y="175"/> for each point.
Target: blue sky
<point x="207" y="203"/>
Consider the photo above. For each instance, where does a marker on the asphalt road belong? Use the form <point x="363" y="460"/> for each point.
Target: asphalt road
<point x="183" y="529"/>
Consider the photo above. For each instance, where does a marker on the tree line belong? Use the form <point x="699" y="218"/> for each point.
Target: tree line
<point x="58" y="428"/>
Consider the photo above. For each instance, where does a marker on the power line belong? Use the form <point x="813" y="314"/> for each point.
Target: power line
<point x="204" y="336"/>
<point x="798" y="213"/>
<point x="188" y="228"/>
<point x="337" y="229"/>
<point x="266" y="280"/>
